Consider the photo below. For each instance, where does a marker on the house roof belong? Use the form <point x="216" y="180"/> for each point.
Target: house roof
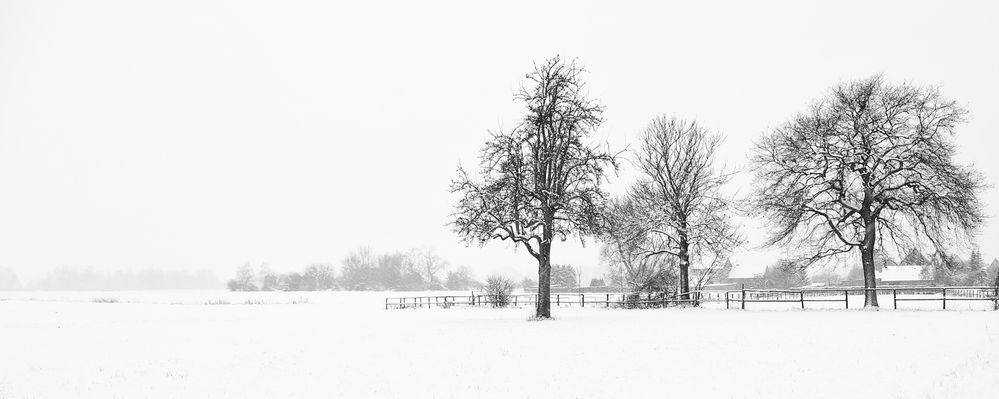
<point x="902" y="273"/>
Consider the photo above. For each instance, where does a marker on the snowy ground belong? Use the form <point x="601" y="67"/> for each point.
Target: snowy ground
<point x="181" y="345"/>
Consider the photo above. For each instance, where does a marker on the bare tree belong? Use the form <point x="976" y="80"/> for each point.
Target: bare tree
<point x="429" y="265"/>
<point x="318" y="276"/>
<point x="781" y="275"/>
<point x="565" y="276"/>
<point x="359" y="270"/>
<point x="244" y="279"/>
<point x="869" y="161"/>
<point x="625" y="241"/>
<point x="268" y="278"/>
<point x="540" y="181"/>
<point x="460" y="279"/>
<point x="678" y="197"/>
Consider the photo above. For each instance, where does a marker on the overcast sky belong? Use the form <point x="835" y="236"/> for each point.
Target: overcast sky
<point x="207" y="134"/>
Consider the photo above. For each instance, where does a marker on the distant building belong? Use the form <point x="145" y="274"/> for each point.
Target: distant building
<point x="725" y="278"/>
<point x="913" y="270"/>
<point x="905" y="275"/>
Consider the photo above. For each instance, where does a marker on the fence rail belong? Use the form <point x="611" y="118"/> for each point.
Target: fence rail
<point x="898" y="294"/>
<point x="731" y="298"/>
<point x="626" y="299"/>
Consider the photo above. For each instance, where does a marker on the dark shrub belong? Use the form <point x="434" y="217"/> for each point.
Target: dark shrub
<point x="498" y="289"/>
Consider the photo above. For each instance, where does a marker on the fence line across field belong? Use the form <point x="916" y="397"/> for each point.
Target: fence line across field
<point x="558" y="299"/>
<point x="970" y="293"/>
<point x="740" y="297"/>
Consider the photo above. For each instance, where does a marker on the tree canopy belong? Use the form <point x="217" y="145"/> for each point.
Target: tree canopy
<point x="869" y="160"/>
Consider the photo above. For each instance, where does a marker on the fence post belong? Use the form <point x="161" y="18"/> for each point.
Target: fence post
<point x="945" y="298"/>
<point x="894" y="297"/>
<point x="846" y="299"/>
<point x="743" y="297"/>
<point x="802" y="295"/>
<point x="726" y="299"/>
<point x="558" y="300"/>
<point x="607" y="301"/>
<point x="582" y="300"/>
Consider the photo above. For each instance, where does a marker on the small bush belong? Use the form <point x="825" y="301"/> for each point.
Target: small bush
<point x="631" y="301"/>
<point x="498" y="289"/>
<point x="217" y="302"/>
<point x="638" y="300"/>
<point x="105" y="299"/>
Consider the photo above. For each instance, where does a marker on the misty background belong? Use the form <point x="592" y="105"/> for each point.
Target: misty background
<point x="184" y="139"/>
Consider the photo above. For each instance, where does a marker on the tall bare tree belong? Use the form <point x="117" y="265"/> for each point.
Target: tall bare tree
<point x="678" y="196"/>
<point x="625" y="241"/>
<point x="540" y="181"/>
<point x="869" y="161"/>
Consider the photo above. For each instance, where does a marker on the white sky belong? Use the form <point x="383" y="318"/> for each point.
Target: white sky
<point x="205" y="134"/>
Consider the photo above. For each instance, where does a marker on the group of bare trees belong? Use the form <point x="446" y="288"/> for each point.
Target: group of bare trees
<point x="315" y="277"/>
<point x="417" y="269"/>
<point x="869" y="167"/>
<point x="362" y="269"/>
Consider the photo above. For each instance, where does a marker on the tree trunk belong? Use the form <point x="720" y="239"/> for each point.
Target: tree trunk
<point x="684" y="256"/>
<point x="867" y="258"/>
<point x="544" y="306"/>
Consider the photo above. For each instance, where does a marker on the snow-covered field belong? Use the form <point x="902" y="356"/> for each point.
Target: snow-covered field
<point x="200" y="344"/>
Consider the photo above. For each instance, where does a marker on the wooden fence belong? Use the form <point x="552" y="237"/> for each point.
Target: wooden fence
<point x="898" y="294"/>
<point x="618" y="299"/>
<point x="738" y="298"/>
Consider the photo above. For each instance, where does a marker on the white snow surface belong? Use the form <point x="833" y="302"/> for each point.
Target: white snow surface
<point x="342" y="344"/>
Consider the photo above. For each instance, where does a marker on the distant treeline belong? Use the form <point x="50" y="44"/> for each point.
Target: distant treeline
<point x="88" y="279"/>
<point x="362" y="269"/>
